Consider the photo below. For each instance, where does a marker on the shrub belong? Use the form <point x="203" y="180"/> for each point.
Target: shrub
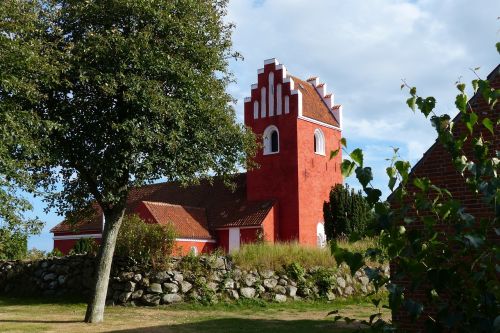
<point x="145" y="242"/>
<point x="85" y="245"/>
<point x="347" y="212"/>
<point x="279" y="255"/>
<point x="35" y="254"/>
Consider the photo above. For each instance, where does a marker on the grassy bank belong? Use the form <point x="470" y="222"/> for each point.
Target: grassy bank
<point x="276" y="256"/>
<point x="279" y="255"/>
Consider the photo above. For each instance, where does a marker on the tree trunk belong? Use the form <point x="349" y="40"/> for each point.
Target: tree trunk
<point x="95" y="309"/>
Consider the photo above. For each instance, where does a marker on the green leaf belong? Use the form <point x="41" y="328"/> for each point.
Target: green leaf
<point x="347" y="167"/>
<point x="412" y="102"/>
<point x="461" y="87"/>
<point x="403" y="168"/>
<point x="357" y="156"/>
<point x="426" y="105"/>
<point x="475" y="85"/>
<point x="343" y="142"/>
<point x="489" y="125"/>
<point x="470" y="120"/>
<point x="461" y="103"/>
<point x="364" y="175"/>
<point x="372" y="195"/>
<point x="498" y="47"/>
<point x="334" y="153"/>
<point x="422" y="184"/>
<point x="413" y="91"/>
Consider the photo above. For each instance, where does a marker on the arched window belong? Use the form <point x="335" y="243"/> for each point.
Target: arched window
<point x="256" y="110"/>
<point x="319" y="142"/>
<point x="271" y="140"/>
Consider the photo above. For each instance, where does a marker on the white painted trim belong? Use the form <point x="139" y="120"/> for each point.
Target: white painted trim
<point x="248" y="99"/>
<point x="317" y="122"/>
<point x="279" y="100"/>
<point x="319" y="138"/>
<point x="314" y="81"/>
<point x="67" y="237"/>
<point x="282" y="67"/>
<point x="248" y="227"/>
<point x="299" y="100"/>
<point x="271" y="61"/>
<point x="254" y="86"/>
<point x="195" y="240"/>
<point x="266" y="140"/>
<point x="260" y="71"/>
<point x="271" y="94"/>
<point x="263" y="102"/>
<point x="256" y="109"/>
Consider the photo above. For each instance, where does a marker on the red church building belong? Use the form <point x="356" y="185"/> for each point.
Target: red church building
<point x="281" y="200"/>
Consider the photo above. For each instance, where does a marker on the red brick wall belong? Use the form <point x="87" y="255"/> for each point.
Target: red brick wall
<point x="296" y="177"/>
<point x="436" y="165"/>
<point x="223" y="239"/>
<point x="270" y="225"/>
<point x="317" y="174"/>
<point x="276" y="177"/>
<point x="65" y="245"/>
<point x="249" y="235"/>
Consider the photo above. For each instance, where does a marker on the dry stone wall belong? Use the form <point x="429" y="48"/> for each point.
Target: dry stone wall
<point x="190" y="279"/>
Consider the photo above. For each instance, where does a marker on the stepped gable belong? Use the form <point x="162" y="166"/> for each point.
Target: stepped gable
<point x="222" y="205"/>
<point x="313" y="105"/>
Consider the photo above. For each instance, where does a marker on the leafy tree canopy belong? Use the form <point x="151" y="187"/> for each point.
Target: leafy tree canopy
<point x="117" y="93"/>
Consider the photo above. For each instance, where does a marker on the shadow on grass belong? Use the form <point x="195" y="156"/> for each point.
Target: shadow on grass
<point x="239" y="325"/>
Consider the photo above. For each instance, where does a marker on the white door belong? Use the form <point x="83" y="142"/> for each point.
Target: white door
<point x="234" y="239"/>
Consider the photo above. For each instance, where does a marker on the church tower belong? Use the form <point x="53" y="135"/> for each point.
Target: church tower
<point x="298" y="125"/>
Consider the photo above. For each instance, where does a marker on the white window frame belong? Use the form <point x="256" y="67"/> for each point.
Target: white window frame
<point x="267" y="140"/>
<point x="319" y="147"/>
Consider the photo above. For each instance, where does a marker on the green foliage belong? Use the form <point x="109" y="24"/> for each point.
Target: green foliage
<point x="145" y="242"/>
<point x="85" y="246"/>
<point x="295" y="271"/>
<point x="347" y="211"/>
<point x="13" y="245"/>
<point x="55" y="253"/>
<point x="438" y="246"/>
<point x="278" y="255"/>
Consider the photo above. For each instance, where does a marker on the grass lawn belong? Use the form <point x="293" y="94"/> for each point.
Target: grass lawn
<point x="35" y="315"/>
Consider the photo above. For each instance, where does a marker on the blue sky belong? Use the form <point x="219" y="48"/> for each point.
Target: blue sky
<point x="362" y="49"/>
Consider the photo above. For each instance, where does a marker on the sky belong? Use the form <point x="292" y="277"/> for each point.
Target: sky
<point x="362" y="49"/>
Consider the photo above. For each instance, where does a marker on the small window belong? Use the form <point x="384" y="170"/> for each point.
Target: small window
<point x="319" y="142"/>
<point x="193" y="250"/>
<point x="271" y="140"/>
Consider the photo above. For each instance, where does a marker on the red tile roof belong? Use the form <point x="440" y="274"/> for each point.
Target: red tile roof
<point x="224" y="207"/>
<point x="312" y="103"/>
<point x="188" y="222"/>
